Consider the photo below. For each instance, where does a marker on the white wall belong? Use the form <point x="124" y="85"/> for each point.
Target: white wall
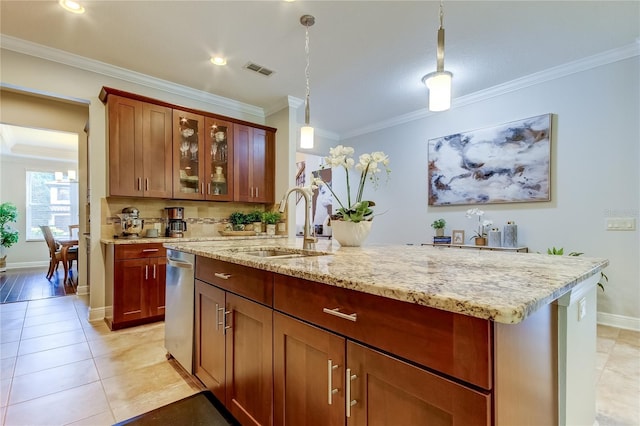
<point x="595" y="172"/>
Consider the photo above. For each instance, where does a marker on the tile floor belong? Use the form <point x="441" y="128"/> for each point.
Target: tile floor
<point x="56" y="368"/>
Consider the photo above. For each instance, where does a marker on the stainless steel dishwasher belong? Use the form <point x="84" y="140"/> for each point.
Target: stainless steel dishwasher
<point x="179" y="302"/>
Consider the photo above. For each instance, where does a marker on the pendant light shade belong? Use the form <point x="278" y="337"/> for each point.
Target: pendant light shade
<point x="306" y="132"/>
<point x="439" y="82"/>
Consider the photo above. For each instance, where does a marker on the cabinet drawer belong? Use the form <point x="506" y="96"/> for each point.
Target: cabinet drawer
<point x="254" y="284"/>
<point x="453" y="344"/>
<point x="136" y="251"/>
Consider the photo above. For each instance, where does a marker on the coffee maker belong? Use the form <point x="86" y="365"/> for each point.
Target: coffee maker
<point x="176" y="226"/>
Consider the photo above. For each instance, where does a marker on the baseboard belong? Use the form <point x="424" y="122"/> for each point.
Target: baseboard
<point x="619" y="321"/>
<point x="24" y="265"/>
<point x="97" y="314"/>
<point x="82" y="290"/>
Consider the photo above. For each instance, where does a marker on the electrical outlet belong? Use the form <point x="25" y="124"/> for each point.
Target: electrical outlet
<point x="157" y="226"/>
<point x="582" y="308"/>
<point x="620" y="224"/>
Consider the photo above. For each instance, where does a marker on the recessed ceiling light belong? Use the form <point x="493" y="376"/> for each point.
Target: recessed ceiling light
<point x="71" y="6"/>
<point x="218" y="60"/>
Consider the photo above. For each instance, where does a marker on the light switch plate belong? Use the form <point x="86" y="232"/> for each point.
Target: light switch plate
<point x="582" y="308"/>
<point x="620" y="224"/>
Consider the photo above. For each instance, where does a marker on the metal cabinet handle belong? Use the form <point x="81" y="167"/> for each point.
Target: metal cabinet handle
<point x="146" y="272"/>
<point x="209" y="189"/>
<point x="146" y="184"/>
<point x="330" y="389"/>
<point x="222" y="275"/>
<point x="139" y="183"/>
<point x="350" y="403"/>
<point x="257" y="192"/>
<point x="218" y="322"/>
<point x="150" y="250"/>
<point x="336" y="312"/>
<point x="154" y="271"/>
<point x="227" y="325"/>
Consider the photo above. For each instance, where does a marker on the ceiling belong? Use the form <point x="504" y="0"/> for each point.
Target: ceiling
<point x="18" y="141"/>
<point x="367" y="57"/>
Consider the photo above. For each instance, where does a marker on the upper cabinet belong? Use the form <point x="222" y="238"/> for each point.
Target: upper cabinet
<point x="188" y="142"/>
<point x="139" y="148"/>
<point x="254" y="164"/>
<point x="161" y="150"/>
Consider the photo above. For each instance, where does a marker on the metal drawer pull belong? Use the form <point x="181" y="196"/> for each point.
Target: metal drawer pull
<point x="139" y="187"/>
<point x="350" y="403"/>
<point x="218" y="322"/>
<point x="154" y="271"/>
<point x="336" y="312"/>
<point x="226" y="327"/>
<point x="150" y="250"/>
<point x="146" y="272"/>
<point x="222" y="275"/>
<point x="146" y="184"/>
<point x="330" y="368"/>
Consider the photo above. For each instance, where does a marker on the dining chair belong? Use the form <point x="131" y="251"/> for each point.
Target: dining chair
<point x="55" y="252"/>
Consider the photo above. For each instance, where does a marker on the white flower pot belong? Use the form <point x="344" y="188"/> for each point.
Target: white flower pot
<point x="350" y="234"/>
<point x="271" y="229"/>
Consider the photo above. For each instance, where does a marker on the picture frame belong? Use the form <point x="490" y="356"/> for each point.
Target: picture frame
<point x="457" y="237"/>
<point x="506" y="163"/>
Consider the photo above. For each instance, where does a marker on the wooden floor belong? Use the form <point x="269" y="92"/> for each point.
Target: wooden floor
<point x="19" y="285"/>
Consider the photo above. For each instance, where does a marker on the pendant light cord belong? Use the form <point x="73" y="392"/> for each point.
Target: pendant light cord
<point x="307" y="74"/>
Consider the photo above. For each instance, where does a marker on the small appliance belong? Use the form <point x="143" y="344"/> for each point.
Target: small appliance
<point x="176" y="226"/>
<point x="130" y="223"/>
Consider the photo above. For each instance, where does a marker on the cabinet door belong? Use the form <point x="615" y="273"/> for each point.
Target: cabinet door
<point x="254" y="167"/>
<point x="129" y="290"/>
<point x="188" y="142"/>
<point x="385" y="391"/>
<point x="210" y="338"/>
<point x="157" y="151"/>
<point x="156" y="283"/>
<point x="249" y="372"/>
<point x="309" y="374"/>
<point x="125" y="146"/>
<point x="219" y="164"/>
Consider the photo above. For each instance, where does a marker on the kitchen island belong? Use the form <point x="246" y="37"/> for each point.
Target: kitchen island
<point x="472" y="337"/>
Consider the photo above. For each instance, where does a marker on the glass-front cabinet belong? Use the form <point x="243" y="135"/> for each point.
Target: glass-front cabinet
<point x="188" y="169"/>
<point x="219" y="163"/>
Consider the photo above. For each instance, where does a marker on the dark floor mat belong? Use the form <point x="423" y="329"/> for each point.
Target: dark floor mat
<point x="199" y="409"/>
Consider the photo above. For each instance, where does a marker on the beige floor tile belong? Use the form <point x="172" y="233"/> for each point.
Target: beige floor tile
<point x="60" y="408"/>
<point x="13" y="307"/>
<point x="50" y="328"/>
<point x="11" y="324"/>
<point x="10" y="335"/>
<point x="9" y="350"/>
<point x="95" y="330"/>
<point x="6" y="367"/>
<point x="5" y="385"/>
<point x="51" y="341"/>
<point x="43" y="360"/>
<point x="125" y="361"/>
<point x="605" y="344"/>
<point x="52" y="380"/>
<point x="66" y="315"/>
<point x="618" y="399"/>
<point x="630" y="337"/>
<point x="50" y="310"/>
<point x="11" y="314"/>
<point x="607" y="332"/>
<point x="103" y="419"/>
<point x="125" y="339"/>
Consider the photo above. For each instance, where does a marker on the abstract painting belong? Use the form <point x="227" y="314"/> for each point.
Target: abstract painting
<point x="508" y="163"/>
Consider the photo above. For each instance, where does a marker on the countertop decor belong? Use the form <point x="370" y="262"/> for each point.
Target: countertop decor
<point x="505" y="287"/>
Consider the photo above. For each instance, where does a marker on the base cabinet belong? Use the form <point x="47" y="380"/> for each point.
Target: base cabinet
<point x="234" y="352"/>
<point x="314" y="386"/>
<point x="139" y="277"/>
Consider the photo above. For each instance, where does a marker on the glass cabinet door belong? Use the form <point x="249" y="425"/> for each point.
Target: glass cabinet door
<point x="219" y="154"/>
<point x="188" y="182"/>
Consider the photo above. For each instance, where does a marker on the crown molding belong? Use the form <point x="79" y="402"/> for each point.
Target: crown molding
<point x="608" y="57"/>
<point x="288" y="102"/>
<point x="80" y="62"/>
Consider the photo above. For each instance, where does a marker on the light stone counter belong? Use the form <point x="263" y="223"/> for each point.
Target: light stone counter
<point x="145" y="240"/>
<point x="500" y="286"/>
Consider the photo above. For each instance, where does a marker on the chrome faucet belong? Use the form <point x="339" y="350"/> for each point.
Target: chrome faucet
<point x="309" y="238"/>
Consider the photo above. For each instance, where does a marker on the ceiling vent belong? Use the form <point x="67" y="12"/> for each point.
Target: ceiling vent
<point x="259" y="69"/>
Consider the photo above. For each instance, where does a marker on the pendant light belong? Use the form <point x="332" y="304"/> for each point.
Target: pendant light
<point x="439" y="82"/>
<point x="306" y="132"/>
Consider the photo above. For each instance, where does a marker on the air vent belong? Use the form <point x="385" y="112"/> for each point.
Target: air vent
<point x="259" y="69"/>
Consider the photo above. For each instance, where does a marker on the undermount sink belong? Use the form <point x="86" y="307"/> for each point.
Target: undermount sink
<point x="274" y="253"/>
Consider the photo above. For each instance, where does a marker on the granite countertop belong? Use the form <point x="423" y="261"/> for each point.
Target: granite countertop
<point x="146" y="240"/>
<point x="504" y="287"/>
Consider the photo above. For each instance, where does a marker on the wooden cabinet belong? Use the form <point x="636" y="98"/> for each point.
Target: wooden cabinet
<point x="139" y="272"/>
<point x="188" y="147"/>
<point x="314" y="386"/>
<point x="139" y="148"/>
<point x="218" y="152"/>
<point x="234" y="348"/>
<point x="254" y="164"/>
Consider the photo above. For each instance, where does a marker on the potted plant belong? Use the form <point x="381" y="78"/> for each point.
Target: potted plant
<point x="238" y="220"/>
<point x="8" y="236"/>
<point x="271" y="218"/>
<point x="439" y="225"/>
<point x="352" y="221"/>
<point x="255" y="218"/>
<point x="480" y="234"/>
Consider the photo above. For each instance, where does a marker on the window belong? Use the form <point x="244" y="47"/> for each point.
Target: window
<point x="50" y="202"/>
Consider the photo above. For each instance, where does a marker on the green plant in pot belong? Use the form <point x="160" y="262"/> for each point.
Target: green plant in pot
<point x="271" y="218"/>
<point x="8" y="235"/>
<point x="439" y="225"/>
<point x="255" y="218"/>
<point x="238" y="220"/>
